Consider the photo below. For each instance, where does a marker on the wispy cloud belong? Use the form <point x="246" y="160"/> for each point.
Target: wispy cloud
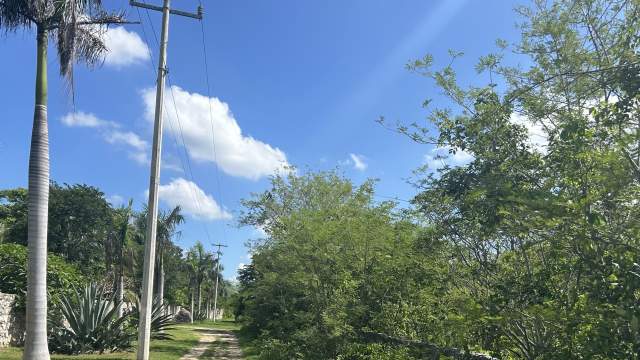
<point x="115" y="200"/>
<point x="83" y="119"/>
<point x="358" y="162"/>
<point x="440" y="157"/>
<point x="136" y="147"/>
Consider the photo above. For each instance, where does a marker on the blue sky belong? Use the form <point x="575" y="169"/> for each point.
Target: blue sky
<point x="295" y="82"/>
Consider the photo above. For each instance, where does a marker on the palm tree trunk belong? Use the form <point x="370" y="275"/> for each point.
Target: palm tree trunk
<point x="199" y="296"/>
<point x="208" y="307"/>
<point x="161" y="283"/>
<point x="36" y="346"/>
<point x="193" y="313"/>
<point x="120" y="290"/>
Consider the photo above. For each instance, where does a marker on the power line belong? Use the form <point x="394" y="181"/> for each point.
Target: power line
<point x="173" y="132"/>
<point x="154" y="180"/>
<point x="213" y="135"/>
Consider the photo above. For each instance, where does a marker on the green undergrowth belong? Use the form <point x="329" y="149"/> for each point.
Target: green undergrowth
<point x="184" y="338"/>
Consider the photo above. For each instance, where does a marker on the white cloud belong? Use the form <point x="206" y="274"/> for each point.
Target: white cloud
<point x="259" y="231"/>
<point x="83" y="119"/>
<point x="538" y="138"/>
<point x="115" y="200"/>
<point x="193" y="200"/>
<point x="236" y="154"/>
<point x="127" y="138"/>
<point x="124" y="48"/>
<point x="358" y="162"/>
<point x="441" y="156"/>
<point x="136" y="147"/>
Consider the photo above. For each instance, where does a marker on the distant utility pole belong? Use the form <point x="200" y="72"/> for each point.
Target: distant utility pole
<point x="144" y="328"/>
<point x="215" y="301"/>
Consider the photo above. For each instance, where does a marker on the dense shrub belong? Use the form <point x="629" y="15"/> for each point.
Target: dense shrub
<point x="374" y="352"/>
<point x="61" y="276"/>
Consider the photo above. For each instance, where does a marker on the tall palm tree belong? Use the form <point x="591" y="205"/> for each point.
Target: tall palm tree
<point x="191" y="266"/>
<point x="122" y="252"/>
<point x="213" y="277"/>
<point x="78" y="37"/>
<point x="200" y="261"/>
<point x="167" y="224"/>
<point x="166" y="229"/>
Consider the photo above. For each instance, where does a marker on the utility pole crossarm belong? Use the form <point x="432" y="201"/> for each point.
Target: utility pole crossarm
<point x="197" y="15"/>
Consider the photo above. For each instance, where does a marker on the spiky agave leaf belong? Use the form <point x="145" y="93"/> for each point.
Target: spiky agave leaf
<point x="93" y="324"/>
<point x="160" y="320"/>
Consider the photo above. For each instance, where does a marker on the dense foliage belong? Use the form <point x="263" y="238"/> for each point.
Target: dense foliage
<point x="527" y="251"/>
<point x="103" y="242"/>
<point x="91" y="239"/>
<point x="61" y="276"/>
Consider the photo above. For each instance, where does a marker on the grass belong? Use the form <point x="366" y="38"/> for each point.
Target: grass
<point x="184" y="338"/>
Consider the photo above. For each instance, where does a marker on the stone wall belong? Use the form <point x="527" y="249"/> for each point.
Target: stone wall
<point x="11" y="322"/>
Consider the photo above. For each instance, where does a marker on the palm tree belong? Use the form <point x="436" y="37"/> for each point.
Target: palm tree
<point x="166" y="230"/>
<point x="123" y="254"/>
<point x="191" y="264"/>
<point x="167" y="224"/>
<point x="200" y="261"/>
<point x="214" y="282"/>
<point x="78" y="37"/>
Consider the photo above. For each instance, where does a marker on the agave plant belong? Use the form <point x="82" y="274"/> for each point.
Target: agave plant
<point x="92" y="324"/>
<point x="161" y="321"/>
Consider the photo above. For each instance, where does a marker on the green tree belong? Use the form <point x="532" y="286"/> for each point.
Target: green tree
<point x="168" y="223"/>
<point x="123" y="251"/>
<point x="545" y="235"/>
<point x="200" y="262"/>
<point x="79" y="223"/>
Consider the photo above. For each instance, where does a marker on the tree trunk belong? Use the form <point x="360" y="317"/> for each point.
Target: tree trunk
<point x="193" y="313"/>
<point x="120" y="291"/>
<point x="35" y="346"/>
<point x="208" y="307"/>
<point x="161" y="282"/>
<point x="199" y="296"/>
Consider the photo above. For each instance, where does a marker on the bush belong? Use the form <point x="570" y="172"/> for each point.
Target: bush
<point x="93" y="324"/>
<point x="61" y="276"/>
<point x="374" y="352"/>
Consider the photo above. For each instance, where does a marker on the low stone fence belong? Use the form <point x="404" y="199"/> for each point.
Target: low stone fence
<point x="11" y="322"/>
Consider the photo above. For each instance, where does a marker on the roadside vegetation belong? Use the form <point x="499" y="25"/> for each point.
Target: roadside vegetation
<point x="520" y="242"/>
<point x="527" y="249"/>
<point x="95" y="269"/>
<point x="183" y="338"/>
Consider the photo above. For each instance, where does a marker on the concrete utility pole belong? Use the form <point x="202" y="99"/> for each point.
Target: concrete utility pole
<point x="144" y="329"/>
<point x="215" y="297"/>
